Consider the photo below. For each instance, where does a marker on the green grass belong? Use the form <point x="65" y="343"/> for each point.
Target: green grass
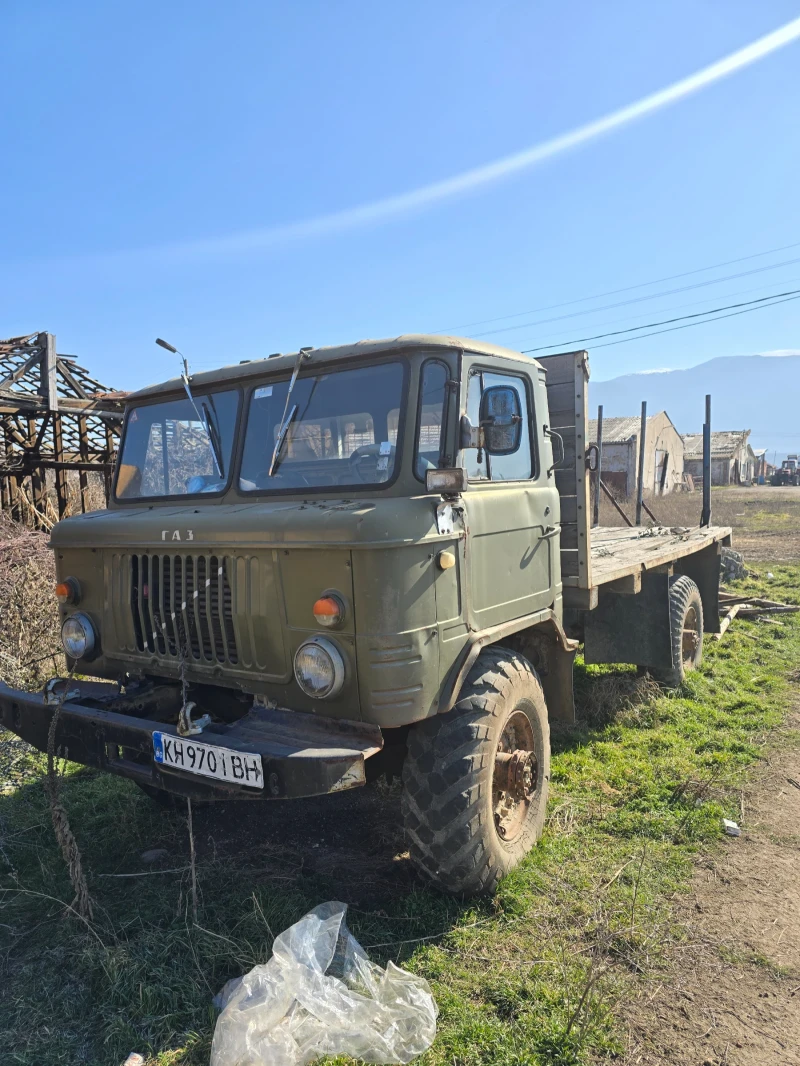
<point x="530" y="978"/>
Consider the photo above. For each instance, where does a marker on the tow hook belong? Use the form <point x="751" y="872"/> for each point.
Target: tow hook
<point x="186" y="726"/>
<point x="57" y="691"/>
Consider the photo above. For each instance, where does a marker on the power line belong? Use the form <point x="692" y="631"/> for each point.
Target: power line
<point x="639" y="299"/>
<point x="688" y="303"/>
<point x="792" y="294"/>
<point x="626" y="288"/>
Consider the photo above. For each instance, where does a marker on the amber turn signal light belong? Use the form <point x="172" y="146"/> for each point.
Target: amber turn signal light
<point x="329" y="611"/>
<point x="68" y="591"/>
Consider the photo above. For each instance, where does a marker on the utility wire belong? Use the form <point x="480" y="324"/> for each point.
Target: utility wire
<point x="626" y="288"/>
<point x="639" y="299"/>
<point x="792" y="294"/>
<point x="681" y="306"/>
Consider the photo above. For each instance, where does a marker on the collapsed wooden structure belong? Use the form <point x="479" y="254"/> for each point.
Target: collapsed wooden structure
<point x="54" y="419"/>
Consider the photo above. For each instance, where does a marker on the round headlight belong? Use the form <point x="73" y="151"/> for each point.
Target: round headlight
<point x="78" y="636"/>
<point x="319" y="668"/>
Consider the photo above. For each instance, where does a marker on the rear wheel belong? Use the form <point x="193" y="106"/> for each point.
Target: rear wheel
<point x="686" y="631"/>
<point x="475" y="780"/>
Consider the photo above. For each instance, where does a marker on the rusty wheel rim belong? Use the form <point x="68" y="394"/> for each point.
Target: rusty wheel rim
<point x="514" y="777"/>
<point x="690" y="640"/>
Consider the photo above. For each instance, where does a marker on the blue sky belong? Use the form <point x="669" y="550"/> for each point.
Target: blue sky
<point x="138" y="138"/>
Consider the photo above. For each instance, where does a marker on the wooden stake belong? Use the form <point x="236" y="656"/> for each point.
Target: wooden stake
<point x="726" y="621"/>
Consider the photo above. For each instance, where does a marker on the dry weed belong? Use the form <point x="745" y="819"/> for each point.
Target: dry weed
<point x="625" y="697"/>
<point x="30" y="648"/>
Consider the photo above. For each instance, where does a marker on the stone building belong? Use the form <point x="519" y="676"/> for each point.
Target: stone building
<point x="663" y="461"/>
<point x="733" y="461"/>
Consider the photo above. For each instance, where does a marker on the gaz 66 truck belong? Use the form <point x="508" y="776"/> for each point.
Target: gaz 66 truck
<point x="327" y="566"/>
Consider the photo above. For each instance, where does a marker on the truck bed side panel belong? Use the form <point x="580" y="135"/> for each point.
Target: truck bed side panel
<point x="567" y="395"/>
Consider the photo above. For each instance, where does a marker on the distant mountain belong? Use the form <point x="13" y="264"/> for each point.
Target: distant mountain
<point x="756" y="392"/>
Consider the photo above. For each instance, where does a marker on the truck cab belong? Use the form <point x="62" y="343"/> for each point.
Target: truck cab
<point x="212" y="567"/>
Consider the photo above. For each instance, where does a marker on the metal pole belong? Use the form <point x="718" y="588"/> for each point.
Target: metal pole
<point x="705" y="517"/>
<point x="640" y="481"/>
<point x="599" y="471"/>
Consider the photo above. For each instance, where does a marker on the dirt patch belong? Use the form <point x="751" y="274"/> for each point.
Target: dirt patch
<point x="765" y="520"/>
<point x="768" y="547"/>
<point x="733" y="996"/>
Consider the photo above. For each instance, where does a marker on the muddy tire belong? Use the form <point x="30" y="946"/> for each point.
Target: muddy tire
<point x="686" y="631"/>
<point x="475" y="780"/>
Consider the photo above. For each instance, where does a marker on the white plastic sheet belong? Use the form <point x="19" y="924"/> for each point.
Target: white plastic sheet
<point x="320" y="995"/>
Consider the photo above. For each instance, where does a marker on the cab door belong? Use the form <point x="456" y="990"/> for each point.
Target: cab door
<point x="512" y="509"/>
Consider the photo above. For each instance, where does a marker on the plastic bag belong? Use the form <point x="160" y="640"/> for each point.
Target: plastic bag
<point x="320" y="995"/>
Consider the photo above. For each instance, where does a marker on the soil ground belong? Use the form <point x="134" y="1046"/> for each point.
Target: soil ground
<point x="733" y="992"/>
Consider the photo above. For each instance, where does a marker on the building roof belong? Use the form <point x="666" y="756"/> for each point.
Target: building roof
<point x="622" y="429"/>
<point x="724" y="443"/>
<point x="284" y="363"/>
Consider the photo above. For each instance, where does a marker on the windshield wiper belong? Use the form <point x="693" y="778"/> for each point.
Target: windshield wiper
<point x="302" y="355"/>
<point x="273" y="466"/>
<point x="212" y="430"/>
<point x="213" y="438"/>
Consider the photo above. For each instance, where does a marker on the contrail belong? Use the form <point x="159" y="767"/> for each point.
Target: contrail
<point x="469" y="180"/>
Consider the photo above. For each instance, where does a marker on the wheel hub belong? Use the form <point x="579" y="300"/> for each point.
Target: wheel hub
<point x="515" y="774"/>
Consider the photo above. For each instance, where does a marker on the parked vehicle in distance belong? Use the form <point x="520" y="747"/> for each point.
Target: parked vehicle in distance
<point x="788" y="473"/>
<point x="370" y="559"/>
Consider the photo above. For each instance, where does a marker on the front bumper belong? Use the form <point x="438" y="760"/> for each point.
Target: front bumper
<point x="302" y="754"/>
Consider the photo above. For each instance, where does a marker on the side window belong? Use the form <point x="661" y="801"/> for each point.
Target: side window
<point x="515" y="467"/>
<point x="432" y="395"/>
<point x="476" y="471"/>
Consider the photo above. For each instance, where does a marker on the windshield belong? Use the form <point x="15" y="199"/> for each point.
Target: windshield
<point x="340" y="429"/>
<point x="168" y="451"/>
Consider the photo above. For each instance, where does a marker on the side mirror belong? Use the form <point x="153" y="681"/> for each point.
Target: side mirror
<point x="449" y="482"/>
<point x="501" y="420"/>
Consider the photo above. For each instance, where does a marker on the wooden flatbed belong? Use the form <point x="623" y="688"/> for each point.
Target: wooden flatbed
<point x="619" y="553"/>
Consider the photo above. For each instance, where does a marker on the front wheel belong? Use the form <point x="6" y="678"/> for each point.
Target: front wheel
<point x="475" y="780"/>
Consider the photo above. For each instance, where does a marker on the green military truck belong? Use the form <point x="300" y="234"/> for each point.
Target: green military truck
<point x="323" y="567"/>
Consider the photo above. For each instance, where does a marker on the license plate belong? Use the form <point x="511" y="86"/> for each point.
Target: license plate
<point x="208" y="760"/>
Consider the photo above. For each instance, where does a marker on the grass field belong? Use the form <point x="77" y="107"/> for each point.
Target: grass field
<point x="533" y="976"/>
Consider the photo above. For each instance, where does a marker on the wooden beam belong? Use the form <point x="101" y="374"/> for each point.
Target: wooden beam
<point x="11" y="404"/>
<point x="626" y="586"/>
<point x="21" y="371"/>
<point x="23" y="468"/>
<point x="62" y="488"/>
<point x="13" y="480"/>
<point x="644" y="505"/>
<point x="71" y="380"/>
<point x="607" y="491"/>
<point x="83" y="477"/>
<point x="49" y="382"/>
<point x="38" y="482"/>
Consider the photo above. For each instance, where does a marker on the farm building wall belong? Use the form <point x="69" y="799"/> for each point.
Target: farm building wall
<point x="663" y="462"/>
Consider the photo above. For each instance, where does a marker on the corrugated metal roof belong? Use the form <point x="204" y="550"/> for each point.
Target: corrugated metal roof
<point x="619" y="430"/>
<point x="724" y="443"/>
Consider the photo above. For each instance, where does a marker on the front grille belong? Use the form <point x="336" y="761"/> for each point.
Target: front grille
<point x="182" y="606"/>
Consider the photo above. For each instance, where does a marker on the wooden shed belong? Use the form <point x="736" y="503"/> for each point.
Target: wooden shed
<point x="733" y="461"/>
<point x="663" y="461"/>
